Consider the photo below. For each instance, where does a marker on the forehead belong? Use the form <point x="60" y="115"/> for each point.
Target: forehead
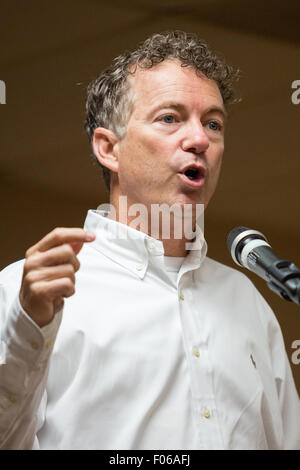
<point x="169" y="80"/>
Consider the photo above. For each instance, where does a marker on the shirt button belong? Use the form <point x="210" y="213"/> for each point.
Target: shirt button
<point x="206" y="413"/>
<point x="12" y="398"/>
<point x="139" y="267"/>
<point x="181" y="297"/>
<point x="34" y="345"/>
<point x="151" y="247"/>
<point x="49" y="343"/>
<point x="196" y="352"/>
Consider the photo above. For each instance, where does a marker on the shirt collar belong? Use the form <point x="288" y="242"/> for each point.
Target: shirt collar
<point x="132" y="248"/>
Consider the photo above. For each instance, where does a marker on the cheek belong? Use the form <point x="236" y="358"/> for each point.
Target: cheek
<point x="143" y="155"/>
<point x="215" y="167"/>
<point x="135" y="165"/>
<point x="129" y="156"/>
<point x="219" y="165"/>
<point x="216" y="156"/>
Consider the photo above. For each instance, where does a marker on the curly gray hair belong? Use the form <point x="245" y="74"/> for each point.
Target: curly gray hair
<point x="110" y="97"/>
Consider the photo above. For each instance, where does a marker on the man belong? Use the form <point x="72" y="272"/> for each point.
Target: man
<point x="160" y="347"/>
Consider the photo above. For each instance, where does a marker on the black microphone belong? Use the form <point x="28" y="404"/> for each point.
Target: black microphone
<point x="250" y="249"/>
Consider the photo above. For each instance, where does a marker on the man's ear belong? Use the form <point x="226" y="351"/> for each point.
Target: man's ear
<point x="104" y="142"/>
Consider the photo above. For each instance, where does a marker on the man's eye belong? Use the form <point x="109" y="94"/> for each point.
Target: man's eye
<point x="214" y="126"/>
<point x="168" y="118"/>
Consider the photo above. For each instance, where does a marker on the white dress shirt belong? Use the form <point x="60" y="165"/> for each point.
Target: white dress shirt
<point x="145" y="357"/>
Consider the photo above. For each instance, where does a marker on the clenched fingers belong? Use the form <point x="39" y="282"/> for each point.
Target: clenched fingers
<point x="50" y="273"/>
<point x="62" y="287"/>
<point x="63" y="254"/>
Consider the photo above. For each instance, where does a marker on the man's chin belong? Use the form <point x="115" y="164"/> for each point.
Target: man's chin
<point x="188" y="199"/>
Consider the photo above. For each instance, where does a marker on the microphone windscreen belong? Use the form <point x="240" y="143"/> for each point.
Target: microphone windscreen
<point x="233" y="234"/>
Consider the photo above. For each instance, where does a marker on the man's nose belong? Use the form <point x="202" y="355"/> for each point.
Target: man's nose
<point x="195" y="139"/>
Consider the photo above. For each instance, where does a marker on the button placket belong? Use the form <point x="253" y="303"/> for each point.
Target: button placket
<point x="196" y="338"/>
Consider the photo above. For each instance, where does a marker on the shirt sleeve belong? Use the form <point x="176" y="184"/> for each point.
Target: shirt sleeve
<point x="287" y="394"/>
<point x="290" y="408"/>
<point x="24" y="364"/>
<point x="286" y="390"/>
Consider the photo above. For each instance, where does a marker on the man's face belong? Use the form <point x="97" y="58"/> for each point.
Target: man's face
<point x="173" y="146"/>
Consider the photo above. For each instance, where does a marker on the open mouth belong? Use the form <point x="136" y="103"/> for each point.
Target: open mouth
<point x="193" y="176"/>
<point x="192" y="173"/>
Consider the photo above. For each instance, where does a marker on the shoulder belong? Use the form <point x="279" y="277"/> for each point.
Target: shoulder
<point x="219" y="271"/>
<point x="236" y="287"/>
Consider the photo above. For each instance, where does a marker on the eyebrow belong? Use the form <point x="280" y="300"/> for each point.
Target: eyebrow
<point x="182" y="107"/>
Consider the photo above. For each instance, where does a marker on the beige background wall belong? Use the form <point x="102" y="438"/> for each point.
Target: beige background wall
<point x="49" y="51"/>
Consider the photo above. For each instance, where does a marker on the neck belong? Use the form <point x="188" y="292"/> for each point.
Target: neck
<point x="175" y="248"/>
<point x="167" y="226"/>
